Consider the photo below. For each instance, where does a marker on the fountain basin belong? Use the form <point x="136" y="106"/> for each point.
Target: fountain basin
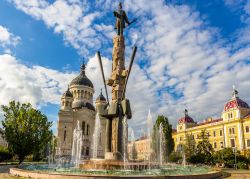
<point x="170" y="171"/>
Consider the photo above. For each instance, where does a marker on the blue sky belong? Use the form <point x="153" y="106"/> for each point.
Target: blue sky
<point x="190" y="52"/>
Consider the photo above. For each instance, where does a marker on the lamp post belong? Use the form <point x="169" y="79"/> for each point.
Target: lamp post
<point x="235" y="158"/>
<point x="235" y="153"/>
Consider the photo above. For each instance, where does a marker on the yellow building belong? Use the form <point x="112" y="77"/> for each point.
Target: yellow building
<point x="141" y="146"/>
<point x="231" y="130"/>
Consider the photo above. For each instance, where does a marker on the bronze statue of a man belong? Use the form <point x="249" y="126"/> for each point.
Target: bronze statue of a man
<point x="121" y="19"/>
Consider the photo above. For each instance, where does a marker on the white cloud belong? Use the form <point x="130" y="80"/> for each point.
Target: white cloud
<point x="37" y="85"/>
<point x="7" y="39"/>
<point x="187" y="65"/>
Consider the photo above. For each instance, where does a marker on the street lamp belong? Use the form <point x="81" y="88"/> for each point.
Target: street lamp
<point x="235" y="152"/>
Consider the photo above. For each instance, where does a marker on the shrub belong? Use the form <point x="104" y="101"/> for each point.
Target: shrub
<point x="227" y="157"/>
<point x="5" y="154"/>
<point x="175" y="157"/>
<point x="242" y="165"/>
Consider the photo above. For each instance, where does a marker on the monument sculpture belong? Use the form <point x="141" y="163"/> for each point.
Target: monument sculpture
<point x="119" y="107"/>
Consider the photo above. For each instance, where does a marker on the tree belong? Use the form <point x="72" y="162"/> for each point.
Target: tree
<point x="26" y="129"/>
<point x="189" y="147"/>
<point x="204" y="146"/>
<point x="204" y="150"/>
<point x="167" y="130"/>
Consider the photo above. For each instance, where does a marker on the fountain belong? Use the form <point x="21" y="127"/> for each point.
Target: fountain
<point x="162" y="144"/>
<point x="77" y="145"/>
<point x="125" y="136"/>
<point x="149" y="135"/>
<point x="116" y="113"/>
<point x="96" y="136"/>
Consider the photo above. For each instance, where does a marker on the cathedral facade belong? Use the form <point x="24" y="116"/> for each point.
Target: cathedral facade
<point x="77" y="105"/>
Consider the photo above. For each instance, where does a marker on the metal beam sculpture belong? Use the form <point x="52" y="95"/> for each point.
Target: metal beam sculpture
<point x="119" y="107"/>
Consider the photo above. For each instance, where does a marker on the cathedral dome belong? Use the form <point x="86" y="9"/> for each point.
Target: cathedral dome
<point x="68" y="94"/>
<point x="81" y="104"/>
<point x="186" y="118"/>
<point x="235" y="102"/>
<point x="82" y="79"/>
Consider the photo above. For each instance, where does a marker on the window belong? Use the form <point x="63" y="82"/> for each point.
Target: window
<point x="64" y="135"/>
<point x="233" y="130"/>
<point x="247" y="129"/>
<point x="214" y="133"/>
<point x="100" y="139"/>
<point x="87" y="133"/>
<point x="87" y="151"/>
<point x="215" y="145"/>
<point x="180" y="138"/>
<point x="83" y="127"/>
<point x="248" y="142"/>
<point x="232" y="142"/>
<point x="221" y="145"/>
<point x="220" y="132"/>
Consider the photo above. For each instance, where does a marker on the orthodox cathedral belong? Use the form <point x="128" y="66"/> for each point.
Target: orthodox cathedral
<point x="77" y="105"/>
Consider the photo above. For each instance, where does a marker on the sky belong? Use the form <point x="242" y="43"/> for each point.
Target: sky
<point x="190" y="53"/>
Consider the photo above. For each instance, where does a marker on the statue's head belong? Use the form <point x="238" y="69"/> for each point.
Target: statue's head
<point x="120" y="5"/>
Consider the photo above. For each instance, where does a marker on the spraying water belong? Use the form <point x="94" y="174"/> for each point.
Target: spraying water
<point x="77" y="145"/>
<point x="125" y="136"/>
<point x="161" y="147"/>
<point x="96" y="135"/>
<point x="149" y="133"/>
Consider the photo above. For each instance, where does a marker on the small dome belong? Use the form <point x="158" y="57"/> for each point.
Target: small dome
<point x="186" y="118"/>
<point x="67" y="94"/>
<point x="82" y="79"/>
<point x="235" y="102"/>
<point x="101" y="97"/>
<point x="81" y="104"/>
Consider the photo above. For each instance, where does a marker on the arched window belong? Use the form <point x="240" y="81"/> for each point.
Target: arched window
<point x="67" y="103"/>
<point x="63" y="103"/>
<point x="81" y="93"/>
<point x="87" y="151"/>
<point x="83" y="149"/>
<point x="64" y="135"/>
<point x="100" y="140"/>
<point x="83" y="127"/>
<point x="87" y="133"/>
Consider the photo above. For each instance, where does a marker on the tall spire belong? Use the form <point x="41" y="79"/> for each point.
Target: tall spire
<point x="83" y="66"/>
<point x="235" y="92"/>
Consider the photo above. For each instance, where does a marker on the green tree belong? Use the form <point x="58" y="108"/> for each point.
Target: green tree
<point x="167" y="130"/>
<point x="204" y="150"/>
<point x="189" y="147"/>
<point x="204" y="146"/>
<point x="26" y="129"/>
